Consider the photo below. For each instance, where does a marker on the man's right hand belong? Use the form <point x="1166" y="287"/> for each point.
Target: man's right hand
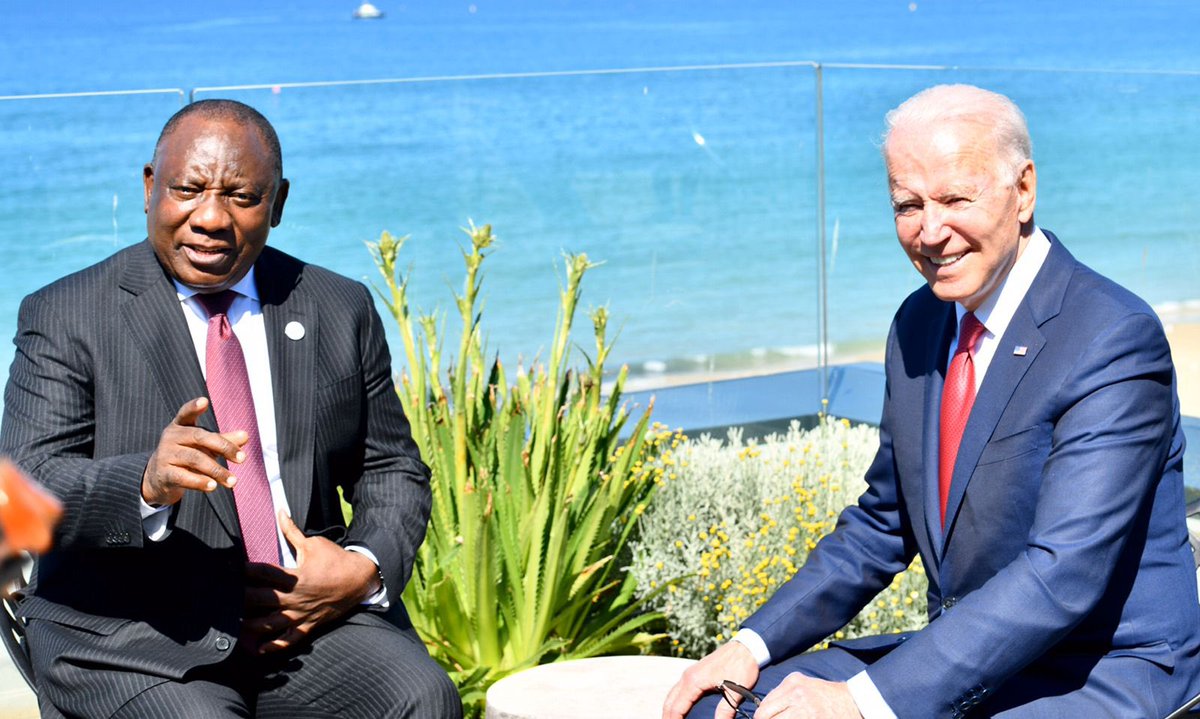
<point x="731" y="661"/>
<point x="186" y="457"/>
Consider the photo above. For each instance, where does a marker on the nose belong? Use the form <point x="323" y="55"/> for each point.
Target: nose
<point x="933" y="225"/>
<point x="210" y="215"/>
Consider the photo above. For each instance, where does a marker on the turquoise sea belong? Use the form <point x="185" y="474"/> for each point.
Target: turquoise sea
<point x="690" y="170"/>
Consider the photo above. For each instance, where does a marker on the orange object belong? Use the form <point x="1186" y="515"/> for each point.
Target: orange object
<point x="28" y="512"/>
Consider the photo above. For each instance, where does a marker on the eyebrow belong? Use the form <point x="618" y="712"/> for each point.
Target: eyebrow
<point x="962" y="188"/>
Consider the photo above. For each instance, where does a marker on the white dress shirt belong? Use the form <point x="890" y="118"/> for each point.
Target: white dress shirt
<point x="994" y="314"/>
<point x="246" y="319"/>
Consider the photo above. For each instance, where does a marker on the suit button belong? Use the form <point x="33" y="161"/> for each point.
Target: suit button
<point x="116" y="538"/>
<point x="949" y="602"/>
<point x="222" y="643"/>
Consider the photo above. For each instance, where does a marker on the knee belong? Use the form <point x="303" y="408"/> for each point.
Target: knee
<point x="427" y="693"/>
<point x="438" y="698"/>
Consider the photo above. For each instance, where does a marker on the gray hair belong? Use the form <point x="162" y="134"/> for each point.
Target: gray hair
<point x="967" y="103"/>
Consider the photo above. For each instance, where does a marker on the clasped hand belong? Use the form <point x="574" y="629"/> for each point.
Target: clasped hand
<point x="797" y="696"/>
<point x="284" y="606"/>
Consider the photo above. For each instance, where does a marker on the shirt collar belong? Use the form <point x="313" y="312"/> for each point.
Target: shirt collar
<point x="997" y="311"/>
<point x="245" y="287"/>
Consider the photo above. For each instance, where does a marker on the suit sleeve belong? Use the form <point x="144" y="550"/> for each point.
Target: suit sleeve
<point x="1109" y="445"/>
<point x="49" y="431"/>
<point x="870" y="544"/>
<point x="391" y="497"/>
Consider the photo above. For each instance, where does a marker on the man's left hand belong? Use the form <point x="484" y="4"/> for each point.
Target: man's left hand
<point x="284" y="606"/>
<point x="802" y="697"/>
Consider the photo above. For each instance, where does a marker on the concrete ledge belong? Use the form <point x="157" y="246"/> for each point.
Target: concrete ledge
<point x="630" y="687"/>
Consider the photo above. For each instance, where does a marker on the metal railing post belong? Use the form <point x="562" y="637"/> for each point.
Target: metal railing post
<point x="822" y="290"/>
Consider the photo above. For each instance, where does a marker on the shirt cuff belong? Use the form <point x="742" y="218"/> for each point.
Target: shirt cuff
<point x="154" y="520"/>
<point x="379" y="598"/>
<point x="758" y="648"/>
<point x="866" y="695"/>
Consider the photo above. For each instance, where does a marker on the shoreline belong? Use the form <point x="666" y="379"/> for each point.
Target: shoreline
<point x="643" y="380"/>
<point x="1184" y="338"/>
<point x="1181" y="324"/>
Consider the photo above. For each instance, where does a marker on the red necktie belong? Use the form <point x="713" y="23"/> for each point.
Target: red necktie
<point x="229" y="390"/>
<point x="958" y="394"/>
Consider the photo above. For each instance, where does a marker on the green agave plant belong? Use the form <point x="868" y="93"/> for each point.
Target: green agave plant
<point x="535" y="492"/>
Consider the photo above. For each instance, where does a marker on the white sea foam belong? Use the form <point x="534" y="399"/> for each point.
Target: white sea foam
<point x="805" y="351"/>
<point x="1178" y="310"/>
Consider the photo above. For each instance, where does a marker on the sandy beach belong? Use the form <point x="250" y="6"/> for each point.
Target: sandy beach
<point x="1185" y="350"/>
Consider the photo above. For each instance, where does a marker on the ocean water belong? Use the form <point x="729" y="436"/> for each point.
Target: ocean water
<point x="695" y="187"/>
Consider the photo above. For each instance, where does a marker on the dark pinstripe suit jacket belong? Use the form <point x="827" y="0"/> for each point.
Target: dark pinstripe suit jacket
<point x="103" y="362"/>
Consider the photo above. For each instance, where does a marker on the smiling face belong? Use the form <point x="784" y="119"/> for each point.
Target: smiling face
<point x="212" y="196"/>
<point x="960" y="216"/>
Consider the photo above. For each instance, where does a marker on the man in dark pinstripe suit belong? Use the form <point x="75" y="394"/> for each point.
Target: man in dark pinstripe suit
<point x="148" y="606"/>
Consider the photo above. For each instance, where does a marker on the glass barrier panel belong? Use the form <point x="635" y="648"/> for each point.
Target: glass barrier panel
<point x="695" y="189"/>
<point x="72" y="191"/>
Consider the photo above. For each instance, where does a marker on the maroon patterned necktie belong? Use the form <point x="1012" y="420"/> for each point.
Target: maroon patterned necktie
<point x="958" y="394"/>
<point x="229" y="391"/>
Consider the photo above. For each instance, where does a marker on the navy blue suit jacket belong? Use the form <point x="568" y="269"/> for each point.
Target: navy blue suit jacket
<point x="1063" y="577"/>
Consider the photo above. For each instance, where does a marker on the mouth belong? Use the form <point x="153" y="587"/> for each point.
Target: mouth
<point x="947" y="260"/>
<point x="207" y="257"/>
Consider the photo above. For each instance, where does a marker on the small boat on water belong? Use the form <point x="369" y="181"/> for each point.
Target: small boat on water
<point x="367" y="11"/>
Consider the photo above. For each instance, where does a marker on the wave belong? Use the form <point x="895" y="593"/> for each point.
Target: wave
<point x="1178" y="311"/>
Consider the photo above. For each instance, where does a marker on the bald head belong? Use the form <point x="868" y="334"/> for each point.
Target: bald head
<point x="230" y="111"/>
<point x="967" y="105"/>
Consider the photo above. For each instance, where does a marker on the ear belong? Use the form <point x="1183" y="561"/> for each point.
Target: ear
<point x="1026" y="192"/>
<point x="280" y="198"/>
<point x="148" y="185"/>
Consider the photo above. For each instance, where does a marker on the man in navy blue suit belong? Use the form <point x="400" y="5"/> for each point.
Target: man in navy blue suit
<point x="1030" y="453"/>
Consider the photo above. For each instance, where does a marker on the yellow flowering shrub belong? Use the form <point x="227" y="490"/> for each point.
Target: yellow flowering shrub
<point x="734" y="520"/>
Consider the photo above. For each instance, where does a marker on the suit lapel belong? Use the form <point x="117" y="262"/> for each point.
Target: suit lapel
<point x="155" y="322"/>
<point x="935" y="379"/>
<point x="290" y="319"/>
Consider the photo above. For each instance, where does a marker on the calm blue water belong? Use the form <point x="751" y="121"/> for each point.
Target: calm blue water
<point x="696" y="188"/>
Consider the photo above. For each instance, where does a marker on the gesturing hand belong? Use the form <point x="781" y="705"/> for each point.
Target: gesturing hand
<point x="186" y="457"/>
<point x="731" y="660"/>
<point x="284" y="606"/>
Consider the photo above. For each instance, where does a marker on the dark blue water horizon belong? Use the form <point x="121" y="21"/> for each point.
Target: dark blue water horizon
<point x="66" y="46"/>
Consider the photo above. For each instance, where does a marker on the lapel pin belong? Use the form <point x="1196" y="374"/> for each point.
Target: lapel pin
<point x="1019" y="350"/>
<point x="294" y="330"/>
